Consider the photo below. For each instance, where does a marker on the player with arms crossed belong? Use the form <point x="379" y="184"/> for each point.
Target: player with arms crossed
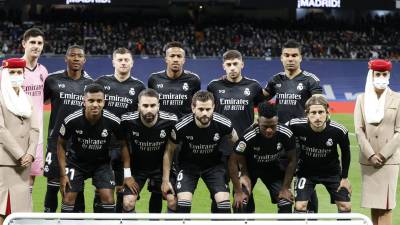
<point x="319" y="163"/>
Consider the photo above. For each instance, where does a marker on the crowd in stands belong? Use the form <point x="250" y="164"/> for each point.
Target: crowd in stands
<point x="321" y="37"/>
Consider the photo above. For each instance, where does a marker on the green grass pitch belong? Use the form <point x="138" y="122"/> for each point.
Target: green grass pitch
<point x="201" y="201"/>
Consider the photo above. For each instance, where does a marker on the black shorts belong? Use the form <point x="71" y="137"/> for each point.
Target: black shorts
<point x="51" y="167"/>
<point x="305" y="186"/>
<point x="272" y="179"/>
<point x="141" y="176"/>
<point x="102" y="177"/>
<point x="117" y="165"/>
<point x="213" y="177"/>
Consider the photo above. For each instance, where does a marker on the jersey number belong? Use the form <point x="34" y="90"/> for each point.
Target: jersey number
<point x="48" y="158"/>
<point x="180" y="176"/>
<point x="301" y="183"/>
<point x="71" y="172"/>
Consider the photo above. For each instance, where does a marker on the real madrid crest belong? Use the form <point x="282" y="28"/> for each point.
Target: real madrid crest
<point x="329" y="142"/>
<point x="62" y="129"/>
<point x="132" y="91"/>
<point x="216" y="137"/>
<point x="300" y="86"/>
<point x="246" y="91"/>
<point x="279" y="146"/>
<point x="104" y="133"/>
<point x="162" y="134"/>
<point x="185" y="86"/>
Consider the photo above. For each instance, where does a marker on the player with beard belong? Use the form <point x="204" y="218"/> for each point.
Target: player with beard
<point x="235" y="97"/>
<point x="35" y="75"/>
<point x="122" y="92"/>
<point x="292" y="88"/>
<point x="90" y="130"/>
<point x="148" y="131"/>
<point x="64" y="90"/>
<point x="257" y="155"/>
<point x="200" y="134"/>
<point x="176" y="87"/>
<point x="319" y="163"/>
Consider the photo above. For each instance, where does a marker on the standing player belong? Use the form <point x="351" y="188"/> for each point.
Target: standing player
<point x="319" y="159"/>
<point x="200" y="134"/>
<point x="257" y="155"/>
<point x="148" y="131"/>
<point x="121" y="90"/>
<point x="89" y="129"/>
<point x="292" y="88"/>
<point x="176" y="87"/>
<point x="35" y="75"/>
<point x="64" y="89"/>
<point x="235" y="97"/>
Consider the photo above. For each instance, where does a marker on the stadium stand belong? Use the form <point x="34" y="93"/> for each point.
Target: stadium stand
<point x="369" y="37"/>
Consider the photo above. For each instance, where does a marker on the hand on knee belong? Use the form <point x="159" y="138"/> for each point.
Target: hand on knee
<point x="171" y="202"/>
<point x="344" y="207"/>
<point x="129" y="203"/>
<point x="301" y="206"/>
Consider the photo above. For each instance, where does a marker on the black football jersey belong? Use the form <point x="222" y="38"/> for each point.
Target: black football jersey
<point x="200" y="145"/>
<point x="261" y="152"/>
<point x="121" y="97"/>
<point x="175" y="94"/>
<point x="66" y="96"/>
<point x="236" y="100"/>
<point x="147" y="143"/>
<point x="319" y="152"/>
<point x="292" y="94"/>
<point x="90" y="143"/>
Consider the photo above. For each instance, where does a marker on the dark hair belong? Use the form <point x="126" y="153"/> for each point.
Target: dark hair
<point x="231" y="54"/>
<point x="74" y="47"/>
<point x="173" y="44"/>
<point x="202" y="96"/>
<point x="121" y="51"/>
<point x="317" y="100"/>
<point x="292" y="44"/>
<point x="149" y="92"/>
<point x="94" y="88"/>
<point x="32" y="32"/>
<point x="267" y="110"/>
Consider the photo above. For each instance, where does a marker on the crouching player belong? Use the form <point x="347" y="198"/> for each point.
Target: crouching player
<point x="148" y="131"/>
<point x="90" y="132"/>
<point x="200" y="134"/>
<point x="257" y="155"/>
<point x="319" y="163"/>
